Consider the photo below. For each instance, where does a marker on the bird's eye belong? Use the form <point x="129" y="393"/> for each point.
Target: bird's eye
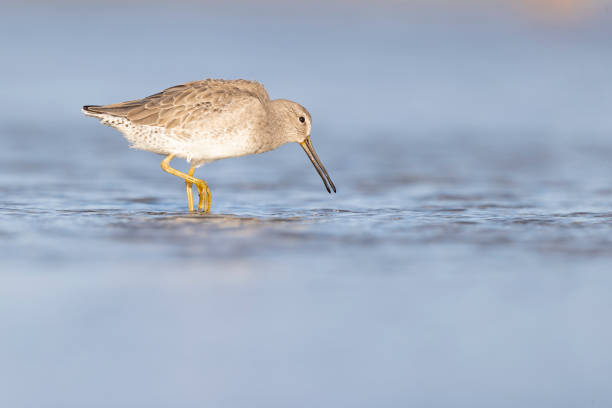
<point x="302" y="119"/>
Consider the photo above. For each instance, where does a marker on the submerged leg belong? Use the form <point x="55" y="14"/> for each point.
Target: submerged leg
<point x="200" y="184"/>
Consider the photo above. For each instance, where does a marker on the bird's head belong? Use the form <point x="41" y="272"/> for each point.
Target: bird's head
<point x="295" y="123"/>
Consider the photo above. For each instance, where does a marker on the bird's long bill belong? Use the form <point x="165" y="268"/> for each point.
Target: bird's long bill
<point x="316" y="162"/>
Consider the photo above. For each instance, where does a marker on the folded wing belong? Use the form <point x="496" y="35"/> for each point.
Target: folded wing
<point x="187" y="105"/>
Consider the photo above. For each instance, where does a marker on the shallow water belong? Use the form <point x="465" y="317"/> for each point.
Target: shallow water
<point x="465" y="260"/>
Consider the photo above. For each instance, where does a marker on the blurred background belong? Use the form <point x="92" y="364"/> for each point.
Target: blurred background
<point x="464" y="262"/>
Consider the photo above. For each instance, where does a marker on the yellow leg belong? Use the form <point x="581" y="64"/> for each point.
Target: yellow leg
<point x="200" y="184"/>
<point x="189" y="190"/>
<point x="200" y="193"/>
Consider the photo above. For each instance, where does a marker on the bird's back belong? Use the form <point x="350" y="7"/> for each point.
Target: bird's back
<point x="202" y="120"/>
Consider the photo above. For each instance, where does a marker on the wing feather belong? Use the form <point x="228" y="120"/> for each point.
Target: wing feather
<point x="193" y="102"/>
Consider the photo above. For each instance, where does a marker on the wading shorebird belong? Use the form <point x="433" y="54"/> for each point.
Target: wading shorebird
<point x="208" y="120"/>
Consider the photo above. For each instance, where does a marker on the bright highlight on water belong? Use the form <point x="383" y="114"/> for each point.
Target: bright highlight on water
<point x="208" y="120"/>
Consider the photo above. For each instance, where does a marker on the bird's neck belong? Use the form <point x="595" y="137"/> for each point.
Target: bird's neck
<point x="278" y="124"/>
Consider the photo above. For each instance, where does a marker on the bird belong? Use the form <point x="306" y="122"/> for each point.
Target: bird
<point x="207" y="120"/>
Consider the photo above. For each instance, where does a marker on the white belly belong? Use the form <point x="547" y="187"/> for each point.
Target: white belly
<point x="197" y="147"/>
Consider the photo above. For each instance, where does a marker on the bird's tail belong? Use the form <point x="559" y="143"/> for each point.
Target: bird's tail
<point x="89" y="110"/>
<point x="92" y="110"/>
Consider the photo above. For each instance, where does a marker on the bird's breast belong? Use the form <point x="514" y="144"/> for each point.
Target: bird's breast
<point x="225" y="142"/>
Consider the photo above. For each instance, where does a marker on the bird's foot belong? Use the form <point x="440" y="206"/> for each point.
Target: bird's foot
<point x="203" y="188"/>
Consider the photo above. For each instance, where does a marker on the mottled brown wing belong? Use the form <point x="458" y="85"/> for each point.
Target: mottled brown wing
<point x="179" y="105"/>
